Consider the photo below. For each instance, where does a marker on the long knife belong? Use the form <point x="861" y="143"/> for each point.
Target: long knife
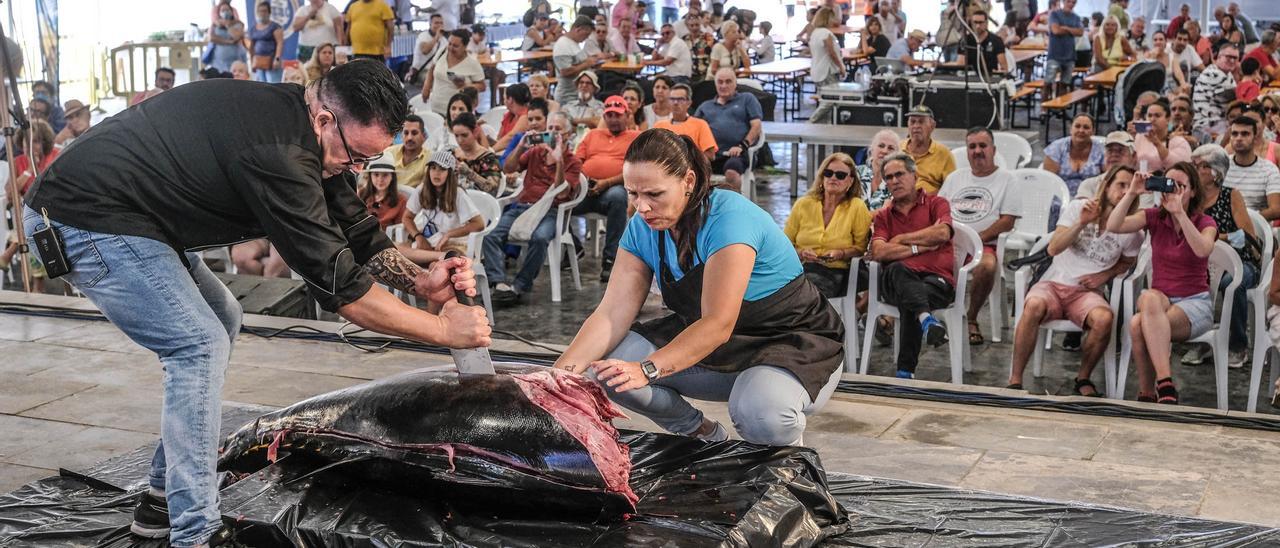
<point x="470" y="361"/>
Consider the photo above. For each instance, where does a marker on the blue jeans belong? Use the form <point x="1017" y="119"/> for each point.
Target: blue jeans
<point x="534" y="253"/>
<point x="189" y="319"/>
<point x="669" y="15"/>
<point x="612" y="203"/>
<point x="767" y="404"/>
<point x="269" y="76"/>
<point x="1239" y="336"/>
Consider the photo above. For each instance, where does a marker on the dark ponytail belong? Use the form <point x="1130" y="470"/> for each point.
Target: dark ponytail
<point x="676" y="155"/>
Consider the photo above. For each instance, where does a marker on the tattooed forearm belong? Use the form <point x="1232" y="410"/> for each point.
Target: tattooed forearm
<point x="392" y="268"/>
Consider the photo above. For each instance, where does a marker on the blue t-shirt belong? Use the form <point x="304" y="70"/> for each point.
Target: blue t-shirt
<point x="511" y="146"/>
<point x="731" y="121"/>
<point x="1063" y="48"/>
<point x="733" y="219"/>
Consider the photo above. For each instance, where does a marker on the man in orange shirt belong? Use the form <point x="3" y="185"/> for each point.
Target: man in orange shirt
<point x="682" y="124"/>
<point x="602" y="151"/>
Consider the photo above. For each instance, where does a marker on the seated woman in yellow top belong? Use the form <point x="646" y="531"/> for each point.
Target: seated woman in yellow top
<point x="830" y="225"/>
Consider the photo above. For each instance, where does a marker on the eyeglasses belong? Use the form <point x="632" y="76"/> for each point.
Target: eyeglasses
<point x="1270" y="110"/>
<point x="838" y="175"/>
<point x="679" y="99"/>
<point x="352" y="160"/>
<point x="894" y="175"/>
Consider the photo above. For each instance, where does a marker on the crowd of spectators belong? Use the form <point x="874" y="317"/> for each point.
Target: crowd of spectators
<point x="1210" y="130"/>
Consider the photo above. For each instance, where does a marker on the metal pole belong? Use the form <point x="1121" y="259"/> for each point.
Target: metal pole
<point x="8" y="77"/>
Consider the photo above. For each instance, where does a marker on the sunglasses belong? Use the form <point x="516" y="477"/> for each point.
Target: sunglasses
<point x="838" y="175"/>
<point x="352" y="160"/>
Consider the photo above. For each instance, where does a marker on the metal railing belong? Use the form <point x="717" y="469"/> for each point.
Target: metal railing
<point x="132" y="65"/>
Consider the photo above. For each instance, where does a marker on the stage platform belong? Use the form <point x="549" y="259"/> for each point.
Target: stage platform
<point x="76" y="392"/>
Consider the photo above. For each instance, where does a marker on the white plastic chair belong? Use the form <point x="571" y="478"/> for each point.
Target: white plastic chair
<point x="507" y="196"/>
<point x="438" y="136"/>
<point x="962" y="158"/>
<point x="492" y="121"/>
<point x="562" y="240"/>
<point x="491" y="212"/>
<point x="1034" y="191"/>
<point x="966" y="244"/>
<point x="846" y="307"/>
<point x="1262" y="345"/>
<point x="1013" y="148"/>
<point x="1223" y="259"/>
<point x="1258" y="297"/>
<point x="1022" y="282"/>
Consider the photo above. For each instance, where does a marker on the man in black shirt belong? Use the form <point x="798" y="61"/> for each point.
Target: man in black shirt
<point x="986" y="46"/>
<point x="213" y="163"/>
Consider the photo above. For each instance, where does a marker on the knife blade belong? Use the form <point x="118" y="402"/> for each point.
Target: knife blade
<point x="469" y="361"/>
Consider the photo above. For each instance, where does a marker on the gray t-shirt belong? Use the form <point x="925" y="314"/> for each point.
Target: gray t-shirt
<point x="566" y="53"/>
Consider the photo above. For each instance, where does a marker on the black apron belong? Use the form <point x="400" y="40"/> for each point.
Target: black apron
<point x="795" y="328"/>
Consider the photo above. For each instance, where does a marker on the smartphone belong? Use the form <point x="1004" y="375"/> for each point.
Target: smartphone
<point x="534" y="139"/>
<point x="452" y="75"/>
<point x="1142" y="127"/>
<point x="1156" y="183"/>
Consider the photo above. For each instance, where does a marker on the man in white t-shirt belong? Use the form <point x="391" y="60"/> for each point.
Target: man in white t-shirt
<point x="1085" y="258"/>
<point x="430" y="43"/>
<point x="890" y="24"/>
<point x="316" y="23"/>
<point x="1256" y="179"/>
<point x="980" y="199"/>
<point x="673" y="52"/>
<point x="570" y="60"/>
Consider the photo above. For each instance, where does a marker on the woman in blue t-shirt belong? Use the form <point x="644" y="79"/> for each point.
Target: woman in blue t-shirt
<point x="747" y="327"/>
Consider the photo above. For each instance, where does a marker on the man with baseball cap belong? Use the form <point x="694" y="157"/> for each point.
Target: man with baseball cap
<point x="933" y="160"/>
<point x="1118" y="151"/>
<point x="584" y="109"/>
<point x="602" y="151"/>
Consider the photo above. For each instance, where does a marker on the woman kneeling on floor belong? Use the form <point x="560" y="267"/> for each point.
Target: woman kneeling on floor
<point x="748" y="327"/>
<point x="1178" y="306"/>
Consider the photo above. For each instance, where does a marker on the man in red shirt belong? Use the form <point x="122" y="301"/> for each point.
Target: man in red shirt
<point x="1184" y="15"/>
<point x="602" y="151"/>
<point x="1265" y="54"/>
<point x="912" y="239"/>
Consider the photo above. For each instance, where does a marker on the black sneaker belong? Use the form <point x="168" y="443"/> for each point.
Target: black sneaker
<point x="151" y="517"/>
<point x="606" y="266"/>
<point x="1071" y="341"/>
<point x="504" y="295"/>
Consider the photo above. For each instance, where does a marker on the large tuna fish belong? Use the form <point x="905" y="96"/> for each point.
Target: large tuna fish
<point x="530" y="439"/>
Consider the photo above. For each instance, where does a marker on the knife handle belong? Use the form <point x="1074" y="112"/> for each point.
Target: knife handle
<point x="462" y="296"/>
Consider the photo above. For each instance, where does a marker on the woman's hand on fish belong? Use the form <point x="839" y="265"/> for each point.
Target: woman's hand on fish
<point x="619" y="375"/>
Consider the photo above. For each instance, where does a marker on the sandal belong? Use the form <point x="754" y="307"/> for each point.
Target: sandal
<point x="975" y="334"/>
<point x="1146" y="399"/>
<point x="1166" y="392"/>
<point x="1015" y="386"/>
<point x="1081" y="383"/>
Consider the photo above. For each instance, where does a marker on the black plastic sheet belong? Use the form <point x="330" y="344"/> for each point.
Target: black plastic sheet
<point x="684" y="502"/>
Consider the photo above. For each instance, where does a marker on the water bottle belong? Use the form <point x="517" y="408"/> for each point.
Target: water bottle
<point x="864" y="76"/>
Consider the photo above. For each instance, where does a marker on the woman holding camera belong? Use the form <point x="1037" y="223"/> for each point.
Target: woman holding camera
<point x="1178" y="306"/>
<point x="1154" y="148"/>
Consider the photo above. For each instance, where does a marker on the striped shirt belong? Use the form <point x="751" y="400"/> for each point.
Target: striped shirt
<point x="1254" y="181"/>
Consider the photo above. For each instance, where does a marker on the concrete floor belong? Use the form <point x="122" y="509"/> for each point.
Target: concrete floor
<point x="76" y="392"/>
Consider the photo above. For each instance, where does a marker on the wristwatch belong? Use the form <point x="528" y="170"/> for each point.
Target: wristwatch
<point x="650" y="370"/>
<point x="915" y="250"/>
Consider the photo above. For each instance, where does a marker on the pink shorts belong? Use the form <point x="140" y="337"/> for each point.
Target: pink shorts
<point x="1067" y="302"/>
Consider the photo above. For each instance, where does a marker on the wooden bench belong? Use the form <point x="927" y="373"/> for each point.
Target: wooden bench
<point x="1026" y="96"/>
<point x="1058" y="107"/>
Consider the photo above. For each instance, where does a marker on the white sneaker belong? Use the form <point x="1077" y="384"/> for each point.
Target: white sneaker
<point x="1236" y="360"/>
<point x="718" y="433"/>
<point x="1196" y="355"/>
